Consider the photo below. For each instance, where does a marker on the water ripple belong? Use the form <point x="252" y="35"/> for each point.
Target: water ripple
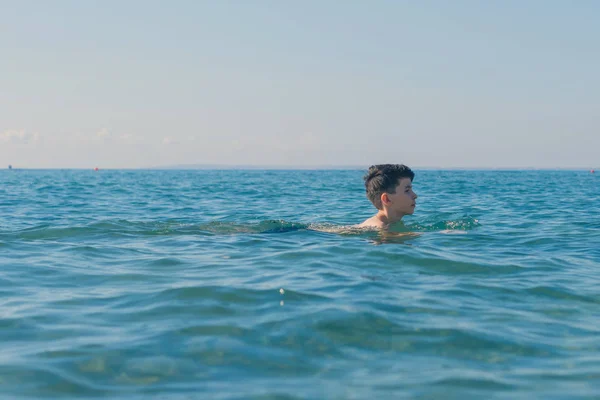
<point x="254" y="284"/>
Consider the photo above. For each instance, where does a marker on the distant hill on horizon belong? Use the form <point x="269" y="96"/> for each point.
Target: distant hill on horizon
<point x="225" y="166"/>
<point x="359" y="167"/>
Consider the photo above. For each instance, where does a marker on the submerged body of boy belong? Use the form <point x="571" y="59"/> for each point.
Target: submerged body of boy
<point x="389" y="188"/>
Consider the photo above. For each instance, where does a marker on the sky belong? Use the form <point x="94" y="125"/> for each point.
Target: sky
<point x="438" y="84"/>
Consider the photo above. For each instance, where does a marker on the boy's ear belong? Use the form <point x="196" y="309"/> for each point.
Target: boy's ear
<point x="385" y="199"/>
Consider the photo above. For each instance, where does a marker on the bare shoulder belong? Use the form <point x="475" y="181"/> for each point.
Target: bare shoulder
<point x="372" y="222"/>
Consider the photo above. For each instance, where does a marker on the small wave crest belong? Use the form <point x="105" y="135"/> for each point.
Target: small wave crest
<point x="459" y="224"/>
<point x="138" y="228"/>
<point x="267" y="226"/>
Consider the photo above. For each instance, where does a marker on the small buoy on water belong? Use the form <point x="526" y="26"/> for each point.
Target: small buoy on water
<point x="592" y="171"/>
<point x="96" y="169"/>
<point x="10" y="167"/>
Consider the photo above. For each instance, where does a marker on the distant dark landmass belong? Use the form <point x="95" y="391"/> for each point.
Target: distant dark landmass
<point x="294" y="167"/>
<point x="353" y="167"/>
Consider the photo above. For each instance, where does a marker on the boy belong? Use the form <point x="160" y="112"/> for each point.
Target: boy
<point x="389" y="187"/>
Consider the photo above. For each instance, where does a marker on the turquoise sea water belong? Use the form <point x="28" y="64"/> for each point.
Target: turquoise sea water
<point x="167" y="285"/>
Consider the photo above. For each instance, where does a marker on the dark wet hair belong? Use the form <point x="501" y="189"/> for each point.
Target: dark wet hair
<point x="384" y="178"/>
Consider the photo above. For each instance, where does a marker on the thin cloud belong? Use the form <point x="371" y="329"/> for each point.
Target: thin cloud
<point x="107" y="136"/>
<point x="187" y="140"/>
<point x="19" y="136"/>
<point x="103" y="133"/>
<point x="129" y="139"/>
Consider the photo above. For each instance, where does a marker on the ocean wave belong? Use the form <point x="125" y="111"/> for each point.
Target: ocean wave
<point x="166" y="228"/>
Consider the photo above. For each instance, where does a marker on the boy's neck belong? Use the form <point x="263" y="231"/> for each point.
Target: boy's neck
<point x="387" y="218"/>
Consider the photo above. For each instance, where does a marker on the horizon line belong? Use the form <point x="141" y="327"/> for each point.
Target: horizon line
<point x="303" y="167"/>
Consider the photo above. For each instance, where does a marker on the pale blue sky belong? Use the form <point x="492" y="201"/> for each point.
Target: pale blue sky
<point x="127" y="84"/>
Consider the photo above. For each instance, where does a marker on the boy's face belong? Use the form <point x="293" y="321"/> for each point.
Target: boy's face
<point x="403" y="201"/>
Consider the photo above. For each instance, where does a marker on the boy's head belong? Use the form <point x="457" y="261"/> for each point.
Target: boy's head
<point x="384" y="178"/>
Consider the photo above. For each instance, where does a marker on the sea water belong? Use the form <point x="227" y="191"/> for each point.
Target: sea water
<point x="251" y="284"/>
